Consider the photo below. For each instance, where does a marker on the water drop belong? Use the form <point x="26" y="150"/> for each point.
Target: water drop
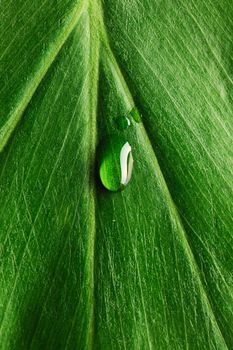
<point x="116" y="163"/>
<point x="122" y="122"/>
<point x="135" y="115"/>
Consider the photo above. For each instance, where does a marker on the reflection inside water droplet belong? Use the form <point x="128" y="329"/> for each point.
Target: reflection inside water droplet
<point x="126" y="161"/>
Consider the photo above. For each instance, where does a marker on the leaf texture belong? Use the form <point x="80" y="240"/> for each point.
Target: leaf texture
<point x="147" y="268"/>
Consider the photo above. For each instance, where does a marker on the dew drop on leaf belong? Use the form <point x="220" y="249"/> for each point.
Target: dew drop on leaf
<point x="135" y="115"/>
<point x="116" y="163"/>
<point x="122" y="123"/>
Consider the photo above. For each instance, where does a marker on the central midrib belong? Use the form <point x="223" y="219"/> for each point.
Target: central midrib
<point x="94" y="11"/>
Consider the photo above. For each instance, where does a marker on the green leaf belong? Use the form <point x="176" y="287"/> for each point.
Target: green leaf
<point x="146" y="268"/>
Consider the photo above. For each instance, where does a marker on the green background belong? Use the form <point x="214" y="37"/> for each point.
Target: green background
<point x="147" y="268"/>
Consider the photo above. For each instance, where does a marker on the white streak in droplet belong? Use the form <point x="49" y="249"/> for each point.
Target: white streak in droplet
<point x="126" y="165"/>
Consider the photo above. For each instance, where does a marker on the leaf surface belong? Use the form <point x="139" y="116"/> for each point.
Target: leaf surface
<point x="147" y="268"/>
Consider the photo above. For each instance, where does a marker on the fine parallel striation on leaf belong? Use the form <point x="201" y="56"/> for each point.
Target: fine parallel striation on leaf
<point x="149" y="267"/>
<point x="47" y="37"/>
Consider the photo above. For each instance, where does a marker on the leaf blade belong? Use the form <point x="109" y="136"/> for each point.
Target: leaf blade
<point x="89" y="269"/>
